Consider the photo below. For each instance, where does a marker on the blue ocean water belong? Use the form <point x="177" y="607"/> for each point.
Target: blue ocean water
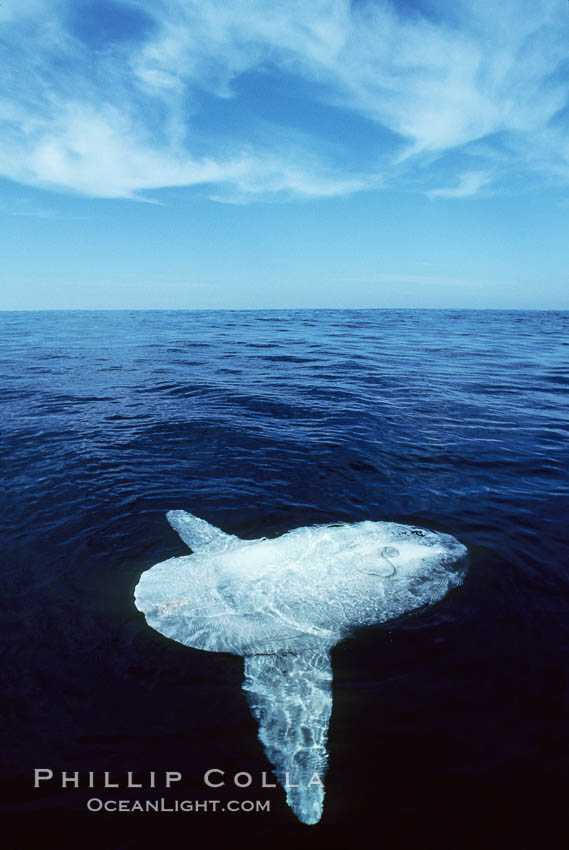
<point x="449" y="723"/>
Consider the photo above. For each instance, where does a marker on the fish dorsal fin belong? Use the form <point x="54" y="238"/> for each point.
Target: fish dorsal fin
<point x="199" y="534"/>
<point x="290" y="695"/>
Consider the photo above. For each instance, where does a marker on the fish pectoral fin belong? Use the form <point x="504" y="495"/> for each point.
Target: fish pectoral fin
<point x="290" y="695"/>
<point x="199" y="534"/>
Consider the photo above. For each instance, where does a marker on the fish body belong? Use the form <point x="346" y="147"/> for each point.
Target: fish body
<point x="283" y="604"/>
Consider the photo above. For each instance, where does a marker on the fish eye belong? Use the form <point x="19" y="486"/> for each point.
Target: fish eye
<point x="383" y="568"/>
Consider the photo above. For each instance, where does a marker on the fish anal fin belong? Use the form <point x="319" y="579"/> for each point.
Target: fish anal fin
<point x="290" y="695"/>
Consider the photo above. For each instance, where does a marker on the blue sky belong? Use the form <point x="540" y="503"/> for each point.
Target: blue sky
<point x="181" y="154"/>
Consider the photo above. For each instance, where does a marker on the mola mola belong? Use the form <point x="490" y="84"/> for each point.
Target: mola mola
<point x="283" y="604"/>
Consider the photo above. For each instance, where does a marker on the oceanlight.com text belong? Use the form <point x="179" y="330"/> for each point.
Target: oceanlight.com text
<point x="95" y="804"/>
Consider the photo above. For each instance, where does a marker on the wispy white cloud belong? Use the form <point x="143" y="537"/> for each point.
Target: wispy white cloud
<point x="125" y="117"/>
<point x="30" y="211"/>
<point x="468" y="186"/>
<point x="35" y="212"/>
<point x="27" y="207"/>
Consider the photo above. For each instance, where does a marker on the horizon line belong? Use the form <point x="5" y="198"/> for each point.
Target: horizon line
<point x="275" y="309"/>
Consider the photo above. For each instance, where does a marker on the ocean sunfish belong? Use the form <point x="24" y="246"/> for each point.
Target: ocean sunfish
<point x="283" y="604"/>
